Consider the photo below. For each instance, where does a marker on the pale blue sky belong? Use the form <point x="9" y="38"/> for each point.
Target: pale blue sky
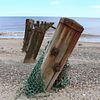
<point x="61" y="8"/>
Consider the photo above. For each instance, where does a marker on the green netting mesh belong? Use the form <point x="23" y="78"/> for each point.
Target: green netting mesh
<point x="62" y="79"/>
<point x="35" y="83"/>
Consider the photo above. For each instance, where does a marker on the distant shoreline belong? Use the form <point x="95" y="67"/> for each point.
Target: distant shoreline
<point x="20" y="35"/>
<point x="89" y="35"/>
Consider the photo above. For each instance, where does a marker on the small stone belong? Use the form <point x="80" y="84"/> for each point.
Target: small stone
<point x="84" y="94"/>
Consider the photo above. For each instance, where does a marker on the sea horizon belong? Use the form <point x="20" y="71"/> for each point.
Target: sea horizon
<point x="17" y="24"/>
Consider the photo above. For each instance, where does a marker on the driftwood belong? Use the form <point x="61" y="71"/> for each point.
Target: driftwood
<point x="64" y="41"/>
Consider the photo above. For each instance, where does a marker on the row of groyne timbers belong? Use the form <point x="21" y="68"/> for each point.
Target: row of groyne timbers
<point x="51" y="67"/>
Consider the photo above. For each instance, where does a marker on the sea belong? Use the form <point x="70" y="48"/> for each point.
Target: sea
<point x="17" y="24"/>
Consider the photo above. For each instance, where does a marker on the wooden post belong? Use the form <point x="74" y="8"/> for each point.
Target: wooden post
<point x="65" y="38"/>
<point x="41" y="33"/>
<point x="28" y="31"/>
<point x="36" y="40"/>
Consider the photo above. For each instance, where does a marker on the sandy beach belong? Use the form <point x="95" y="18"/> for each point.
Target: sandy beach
<point x="84" y="72"/>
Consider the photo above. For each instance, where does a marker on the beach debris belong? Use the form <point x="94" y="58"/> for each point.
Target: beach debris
<point x="62" y="80"/>
<point x="35" y="83"/>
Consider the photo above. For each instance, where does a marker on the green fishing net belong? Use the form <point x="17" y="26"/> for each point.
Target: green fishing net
<point x="62" y="80"/>
<point x="35" y="83"/>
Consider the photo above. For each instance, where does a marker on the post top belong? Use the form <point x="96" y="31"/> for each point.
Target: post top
<point x="72" y="23"/>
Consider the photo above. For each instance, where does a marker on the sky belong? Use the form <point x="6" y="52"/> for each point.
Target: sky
<point x="59" y="8"/>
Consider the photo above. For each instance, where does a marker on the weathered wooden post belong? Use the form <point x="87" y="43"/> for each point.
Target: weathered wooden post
<point x="64" y="41"/>
<point x="36" y="40"/>
<point x="34" y="45"/>
<point x="28" y="31"/>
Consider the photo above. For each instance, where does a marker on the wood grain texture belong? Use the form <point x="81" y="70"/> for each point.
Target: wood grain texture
<point x="35" y="40"/>
<point x="64" y="40"/>
<point x="28" y="31"/>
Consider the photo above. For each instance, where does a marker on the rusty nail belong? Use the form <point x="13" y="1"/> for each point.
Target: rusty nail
<point x="54" y="51"/>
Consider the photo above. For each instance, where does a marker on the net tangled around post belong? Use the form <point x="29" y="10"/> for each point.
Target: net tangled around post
<point x="35" y="83"/>
<point x="62" y="80"/>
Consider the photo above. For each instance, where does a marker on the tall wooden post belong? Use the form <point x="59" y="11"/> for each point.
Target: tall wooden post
<point x="28" y="31"/>
<point x="63" y="42"/>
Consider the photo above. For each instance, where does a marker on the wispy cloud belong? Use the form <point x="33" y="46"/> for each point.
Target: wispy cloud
<point x="55" y="2"/>
<point x="96" y="6"/>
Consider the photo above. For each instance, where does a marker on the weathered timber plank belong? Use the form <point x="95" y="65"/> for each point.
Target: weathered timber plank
<point x="64" y="40"/>
<point x="67" y="54"/>
<point x="36" y="40"/>
<point x="28" y="30"/>
<point x="29" y="58"/>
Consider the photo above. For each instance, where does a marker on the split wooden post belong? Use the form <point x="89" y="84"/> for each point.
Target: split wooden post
<point x="64" y="40"/>
<point x="36" y="40"/>
<point x="28" y="31"/>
